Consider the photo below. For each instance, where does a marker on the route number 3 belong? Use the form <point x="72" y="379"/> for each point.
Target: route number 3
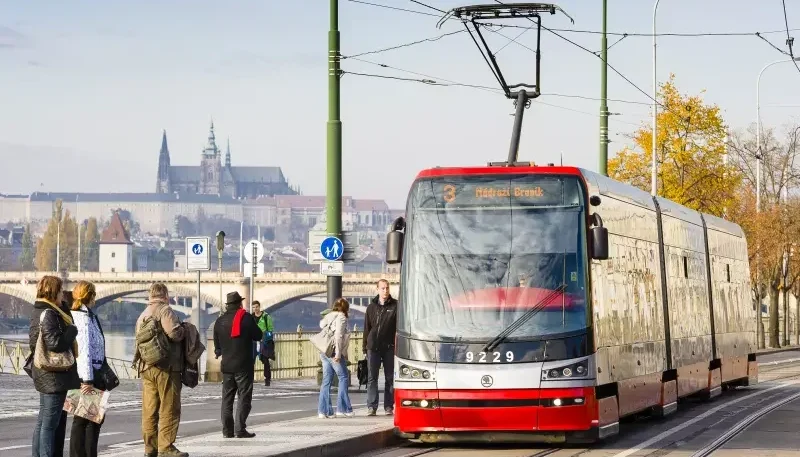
<point x="482" y="356"/>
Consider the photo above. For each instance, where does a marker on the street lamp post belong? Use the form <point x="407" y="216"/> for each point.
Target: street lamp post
<point x="655" y="105"/>
<point x="220" y="248"/>
<point x="759" y="156"/>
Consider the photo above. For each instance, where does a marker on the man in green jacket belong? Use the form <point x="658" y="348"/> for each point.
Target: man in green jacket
<point x="266" y="350"/>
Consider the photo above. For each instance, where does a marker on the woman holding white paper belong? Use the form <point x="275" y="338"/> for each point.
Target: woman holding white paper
<point x="85" y="433"/>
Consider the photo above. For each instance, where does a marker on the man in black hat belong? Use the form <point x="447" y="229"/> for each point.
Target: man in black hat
<point x="234" y="334"/>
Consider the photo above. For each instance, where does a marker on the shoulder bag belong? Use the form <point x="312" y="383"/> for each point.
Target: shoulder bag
<point x="323" y="340"/>
<point x="46" y="360"/>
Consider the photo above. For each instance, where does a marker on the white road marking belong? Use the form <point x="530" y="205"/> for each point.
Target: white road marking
<point x="199" y="420"/>
<point x="21" y="446"/>
<point x="271" y="413"/>
<point x="696" y="419"/>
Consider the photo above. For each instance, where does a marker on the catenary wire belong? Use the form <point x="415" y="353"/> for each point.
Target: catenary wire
<point x="597" y="32"/>
<point x="405" y="45"/>
<point x="789" y="39"/>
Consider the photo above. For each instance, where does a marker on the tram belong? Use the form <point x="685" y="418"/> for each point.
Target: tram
<point x="544" y="303"/>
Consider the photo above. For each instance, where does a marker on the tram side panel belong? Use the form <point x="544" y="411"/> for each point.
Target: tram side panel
<point x="687" y="299"/>
<point x="734" y="314"/>
<point x="627" y="306"/>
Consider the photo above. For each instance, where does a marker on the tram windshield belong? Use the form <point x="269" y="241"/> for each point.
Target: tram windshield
<point x="483" y="250"/>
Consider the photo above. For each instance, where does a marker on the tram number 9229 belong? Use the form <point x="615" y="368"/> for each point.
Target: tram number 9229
<point x="485" y="357"/>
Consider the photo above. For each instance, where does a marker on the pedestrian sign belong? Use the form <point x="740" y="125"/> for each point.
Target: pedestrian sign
<point x="197" y="253"/>
<point x="331" y="248"/>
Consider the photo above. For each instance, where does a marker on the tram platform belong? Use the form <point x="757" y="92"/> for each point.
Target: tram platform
<point x="306" y="437"/>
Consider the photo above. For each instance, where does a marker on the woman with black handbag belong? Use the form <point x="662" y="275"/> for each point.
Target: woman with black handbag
<point x="93" y="368"/>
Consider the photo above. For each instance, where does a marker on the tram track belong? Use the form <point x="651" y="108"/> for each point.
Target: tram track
<point x="742" y="425"/>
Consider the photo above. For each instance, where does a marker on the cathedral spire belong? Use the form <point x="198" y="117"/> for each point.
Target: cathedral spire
<point x="162" y="180"/>
<point x="228" y="154"/>
<point x="211" y="149"/>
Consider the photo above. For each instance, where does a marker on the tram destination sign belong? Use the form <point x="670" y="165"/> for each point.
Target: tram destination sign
<point x="533" y="191"/>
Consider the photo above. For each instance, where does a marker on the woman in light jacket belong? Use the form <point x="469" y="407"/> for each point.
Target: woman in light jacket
<point x="85" y="433"/>
<point x="337" y="320"/>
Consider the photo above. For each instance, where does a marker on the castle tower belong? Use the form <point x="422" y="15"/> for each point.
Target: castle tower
<point x="162" y="180"/>
<point x="228" y="154"/>
<point x="210" y="165"/>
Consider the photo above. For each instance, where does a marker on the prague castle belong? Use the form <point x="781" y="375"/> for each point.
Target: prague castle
<point x="256" y="196"/>
<point x="213" y="177"/>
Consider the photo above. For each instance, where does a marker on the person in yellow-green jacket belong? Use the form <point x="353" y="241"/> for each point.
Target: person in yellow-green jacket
<point x="266" y="349"/>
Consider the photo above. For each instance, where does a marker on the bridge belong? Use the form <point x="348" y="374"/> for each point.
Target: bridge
<point x="273" y="290"/>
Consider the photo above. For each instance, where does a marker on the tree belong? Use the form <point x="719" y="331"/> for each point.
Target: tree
<point x="690" y="154"/>
<point x="771" y="231"/>
<point x="90" y="256"/>
<point x="61" y="235"/>
<point x="26" y="258"/>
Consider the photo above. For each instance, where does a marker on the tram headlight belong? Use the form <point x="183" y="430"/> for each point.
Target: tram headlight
<point x="578" y="370"/>
<point x="410" y="373"/>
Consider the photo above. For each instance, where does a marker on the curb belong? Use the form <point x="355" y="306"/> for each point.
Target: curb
<point x="347" y="447"/>
<point x="777" y="350"/>
<point x="780" y="362"/>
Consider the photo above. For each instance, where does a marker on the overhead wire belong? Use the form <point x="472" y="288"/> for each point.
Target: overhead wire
<point x="596" y="32"/>
<point x="432" y="80"/>
<point x="789" y="39"/>
<point x="405" y="45"/>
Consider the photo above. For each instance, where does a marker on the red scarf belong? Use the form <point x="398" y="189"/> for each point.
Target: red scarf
<point x="236" y="328"/>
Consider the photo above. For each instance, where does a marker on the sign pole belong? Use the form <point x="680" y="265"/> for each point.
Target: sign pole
<point x="333" y="201"/>
<point x="199" y="260"/>
<point x="254" y="265"/>
<point x="199" y="305"/>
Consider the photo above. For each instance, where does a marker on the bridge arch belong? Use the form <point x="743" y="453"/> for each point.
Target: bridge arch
<point x="277" y="302"/>
<point x="111" y="293"/>
<point x="16" y="292"/>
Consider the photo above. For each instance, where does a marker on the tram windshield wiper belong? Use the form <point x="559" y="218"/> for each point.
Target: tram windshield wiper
<point x="502" y="336"/>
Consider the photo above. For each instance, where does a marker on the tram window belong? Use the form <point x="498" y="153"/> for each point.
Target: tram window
<point x="728" y="271"/>
<point x="685" y="267"/>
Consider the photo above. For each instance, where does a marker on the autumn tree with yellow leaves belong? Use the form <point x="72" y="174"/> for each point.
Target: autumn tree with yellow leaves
<point x="690" y="151"/>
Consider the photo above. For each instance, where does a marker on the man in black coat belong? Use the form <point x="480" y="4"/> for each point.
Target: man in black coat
<point x="234" y="334"/>
<point x="380" y="325"/>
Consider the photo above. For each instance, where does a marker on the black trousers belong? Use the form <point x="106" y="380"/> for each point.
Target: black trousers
<point x="375" y="359"/>
<point x="83" y="437"/>
<point x="232" y="384"/>
<point x="267" y="370"/>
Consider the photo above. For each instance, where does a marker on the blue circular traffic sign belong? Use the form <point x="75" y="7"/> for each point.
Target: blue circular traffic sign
<point x="197" y="249"/>
<point x="331" y="248"/>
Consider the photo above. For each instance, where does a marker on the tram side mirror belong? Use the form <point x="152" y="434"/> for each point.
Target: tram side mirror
<point x="394" y="242"/>
<point x="599" y="239"/>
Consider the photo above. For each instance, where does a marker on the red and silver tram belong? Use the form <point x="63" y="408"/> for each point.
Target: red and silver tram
<point x="547" y="302"/>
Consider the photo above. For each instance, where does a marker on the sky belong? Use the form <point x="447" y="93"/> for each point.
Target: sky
<point x="86" y="87"/>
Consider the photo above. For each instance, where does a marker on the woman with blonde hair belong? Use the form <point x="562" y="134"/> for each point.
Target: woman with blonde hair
<point x="57" y="332"/>
<point x="336" y="323"/>
<point x="85" y="433"/>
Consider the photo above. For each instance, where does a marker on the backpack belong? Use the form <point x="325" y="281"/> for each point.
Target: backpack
<point x="152" y="344"/>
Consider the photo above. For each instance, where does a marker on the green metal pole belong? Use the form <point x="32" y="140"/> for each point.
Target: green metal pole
<point x="333" y="204"/>
<point x="604" y="95"/>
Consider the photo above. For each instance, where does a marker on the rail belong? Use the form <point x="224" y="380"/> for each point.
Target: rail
<point x="295" y="357"/>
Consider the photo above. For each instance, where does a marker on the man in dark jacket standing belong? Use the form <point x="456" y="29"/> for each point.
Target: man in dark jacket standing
<point x="234" y="334"/>
<point x="380" y="325"/>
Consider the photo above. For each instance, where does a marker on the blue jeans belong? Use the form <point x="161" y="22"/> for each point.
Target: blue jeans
<point x="51" y="426"/>
<point x="329" y="367"/>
